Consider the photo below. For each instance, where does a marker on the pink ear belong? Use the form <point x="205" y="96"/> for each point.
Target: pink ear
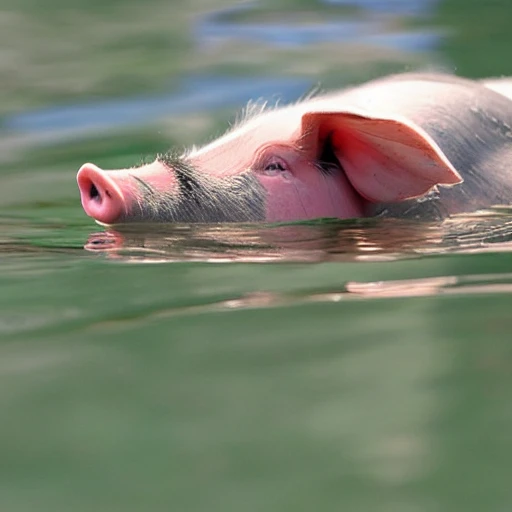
<point x="386" y="160"/>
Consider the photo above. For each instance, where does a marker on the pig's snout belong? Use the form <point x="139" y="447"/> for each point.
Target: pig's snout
<point x="102" y="199"/>
<point x="169" y="191"/>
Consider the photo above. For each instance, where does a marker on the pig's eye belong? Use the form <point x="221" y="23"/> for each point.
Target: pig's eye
<point x="275" y="166"/>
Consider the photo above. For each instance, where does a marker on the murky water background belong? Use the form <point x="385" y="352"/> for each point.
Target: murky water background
<point x="358" y="364"/>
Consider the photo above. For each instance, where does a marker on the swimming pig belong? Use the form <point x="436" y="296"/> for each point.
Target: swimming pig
<point x="410" y="145"/>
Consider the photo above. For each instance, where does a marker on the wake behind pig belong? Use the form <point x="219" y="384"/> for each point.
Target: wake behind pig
<point x="422" y="146"/>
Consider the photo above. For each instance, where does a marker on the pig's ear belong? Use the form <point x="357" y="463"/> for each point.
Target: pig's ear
<point x="386" y="160"/>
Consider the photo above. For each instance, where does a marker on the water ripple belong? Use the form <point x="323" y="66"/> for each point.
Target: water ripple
<point x="348" y="240"/>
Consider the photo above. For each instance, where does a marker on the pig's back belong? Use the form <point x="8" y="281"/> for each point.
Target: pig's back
<point x="471" y="123"/>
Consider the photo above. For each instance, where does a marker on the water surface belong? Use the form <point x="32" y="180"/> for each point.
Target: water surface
<point x="331" y="365"/>
<point x="247" y="367"/>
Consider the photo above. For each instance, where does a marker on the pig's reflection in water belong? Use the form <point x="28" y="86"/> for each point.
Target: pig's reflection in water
<point x="333" y="241"/>
<point x="323" y="240"/>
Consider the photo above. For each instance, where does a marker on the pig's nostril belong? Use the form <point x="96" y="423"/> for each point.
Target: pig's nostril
<point x="101" y="196"/>
<point x="96" y="195"/>
<point x="93" y="192"/>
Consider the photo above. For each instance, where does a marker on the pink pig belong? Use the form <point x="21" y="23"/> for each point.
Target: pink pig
<point x="411" y="145"/>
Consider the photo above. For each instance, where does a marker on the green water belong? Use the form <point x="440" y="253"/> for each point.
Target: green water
<point x="333" y="365"/>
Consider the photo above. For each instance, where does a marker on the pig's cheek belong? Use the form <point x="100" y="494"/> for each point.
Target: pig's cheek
<point x="282" y="198"/>
<point x="274" y="181"/>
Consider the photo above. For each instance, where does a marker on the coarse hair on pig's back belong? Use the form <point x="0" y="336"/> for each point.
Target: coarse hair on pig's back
<point x="252" y="110"/>
<point x="256" y="108"/>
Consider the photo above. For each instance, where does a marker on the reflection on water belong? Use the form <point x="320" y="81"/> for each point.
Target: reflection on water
<point x="207" y="92"/>
<point x="318" y="241"/>
<point x="367" y="26"/>
<point x="402" y="7"/>
<point x="197" y="93"/>
<point x="376" y="254"/>
<point x="353" y="240"/>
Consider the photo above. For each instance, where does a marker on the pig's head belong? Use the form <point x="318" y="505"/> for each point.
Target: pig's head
<point x="300" y="162"/>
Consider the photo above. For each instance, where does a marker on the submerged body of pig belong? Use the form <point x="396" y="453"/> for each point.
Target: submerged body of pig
<point x="411" y="145"/>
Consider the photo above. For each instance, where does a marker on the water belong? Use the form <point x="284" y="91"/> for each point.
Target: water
<point x="357" y="364"/>
<point x="362" y="28"/>
<point x="196" y="93"/>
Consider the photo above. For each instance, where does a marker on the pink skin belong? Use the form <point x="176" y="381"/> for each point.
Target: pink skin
<point x="305" y="193"/>
<point x="378" y="158"/>
<point x="298" y="191"/>
<point x="301" y="191"/>
<point x="117" y="190"/>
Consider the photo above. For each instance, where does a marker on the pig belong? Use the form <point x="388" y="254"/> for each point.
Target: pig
<point x="410" y="145"/>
